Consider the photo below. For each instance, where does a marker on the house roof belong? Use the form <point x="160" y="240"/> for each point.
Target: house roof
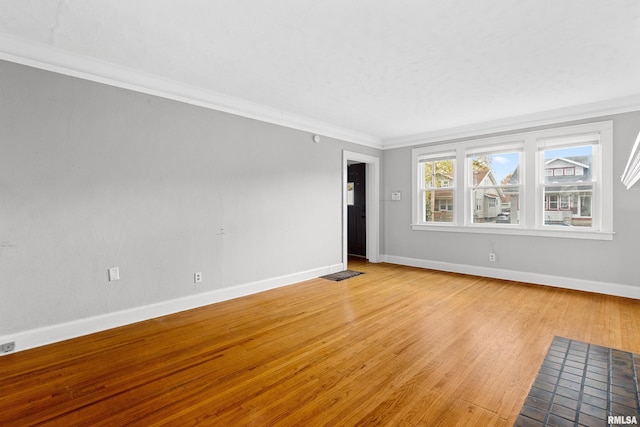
<point x="570" y="160"/>
<point x="480" y="175"/>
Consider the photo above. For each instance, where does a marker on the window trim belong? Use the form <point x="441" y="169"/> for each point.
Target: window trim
<point x="420" y="187"/>
<point x="531" y="181"/>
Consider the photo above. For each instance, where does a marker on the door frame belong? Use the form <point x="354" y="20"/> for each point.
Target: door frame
<point x="372" y="182"/>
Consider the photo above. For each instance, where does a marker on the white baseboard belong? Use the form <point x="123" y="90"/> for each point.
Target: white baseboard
<point x="64" y="331"/>
<point x="521" y="276"/>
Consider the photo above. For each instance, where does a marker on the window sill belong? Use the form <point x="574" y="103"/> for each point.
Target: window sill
<point x="516" y="230"/>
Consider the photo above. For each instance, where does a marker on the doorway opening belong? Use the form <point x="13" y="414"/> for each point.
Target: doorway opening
<point x="356" y="210"/>
<point x="361" y="206"/>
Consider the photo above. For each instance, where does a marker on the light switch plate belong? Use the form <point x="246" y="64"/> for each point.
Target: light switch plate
<point x="114" y="274"/>
<point x="396" y="195"/>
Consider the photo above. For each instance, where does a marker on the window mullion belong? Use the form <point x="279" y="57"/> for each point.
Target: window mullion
<point x="460" y="199"/>
<point x="533" y="204"/>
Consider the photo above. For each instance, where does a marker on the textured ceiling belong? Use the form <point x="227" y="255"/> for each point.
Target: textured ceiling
<point x="381" y="71"/>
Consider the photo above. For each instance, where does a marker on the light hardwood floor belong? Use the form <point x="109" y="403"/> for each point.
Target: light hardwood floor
<point x="396" y="346"/>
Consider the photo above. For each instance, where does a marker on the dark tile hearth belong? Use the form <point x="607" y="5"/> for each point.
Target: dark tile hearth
<point x="583" y="385"/>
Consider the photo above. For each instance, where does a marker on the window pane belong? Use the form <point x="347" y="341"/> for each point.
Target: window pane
<point x="439" y="173"/>
<point x="548" y="182"/>
<point x="495" y="169"/>
<point x="568" y="206"/>
<point x="496" y="205"/>
<point x="495" y="192"/>
<point x="572" y="164"/>
<point x="438" y="206"/>
<point x="439" y="187"/>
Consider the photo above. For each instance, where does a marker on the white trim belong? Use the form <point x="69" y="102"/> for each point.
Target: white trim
<point x="62" y="62"/>
<point x="614" y="289"/>
<point x="53" y="59"/>
<point x="552" y="117"/>
<point x="518" y="230"/>
<point x="372" y="203"/>
<point x="562" y="115"/>
<point x="64" y="331"/>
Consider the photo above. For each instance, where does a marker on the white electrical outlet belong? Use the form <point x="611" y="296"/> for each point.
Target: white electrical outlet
<point x="197" y="277"/>
<point x="492" y="257"/>
<point x="114" y="274"/>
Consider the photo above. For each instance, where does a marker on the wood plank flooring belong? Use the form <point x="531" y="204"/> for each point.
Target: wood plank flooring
<point x="395" y="346"/>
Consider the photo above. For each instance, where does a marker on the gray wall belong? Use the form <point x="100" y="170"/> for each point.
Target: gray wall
<point x="93" y="177"/>
<point x="603" y="261"/>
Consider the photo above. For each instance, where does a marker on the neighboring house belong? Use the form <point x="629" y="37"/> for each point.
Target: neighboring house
<point x="567" y="203"/>
<point x="442" y="199"/>
<point x="563" y="204"/>
<point x="511" y="199"/>
<point x="488" y="202"/>
<point x="570" y="205"/>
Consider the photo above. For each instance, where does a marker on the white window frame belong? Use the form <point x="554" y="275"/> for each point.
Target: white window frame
<point x="492" y="148"/>
<point x="420" y="188"/>
<point x="531" y="174"/>
<point x="592" y="139"/>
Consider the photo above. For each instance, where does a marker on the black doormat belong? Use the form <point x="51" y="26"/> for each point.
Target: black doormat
<point x="581" y="384"/>
<point x="341" y="275"/>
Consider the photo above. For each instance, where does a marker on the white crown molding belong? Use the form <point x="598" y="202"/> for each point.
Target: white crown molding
<point x="562" y="115"/>
<point x="64" y="331"/>
<point x="614" y="289"/>
<point x="56" y="60"/>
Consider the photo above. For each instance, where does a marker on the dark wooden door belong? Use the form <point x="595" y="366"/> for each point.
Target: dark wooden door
<point x="357" y="212"/>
